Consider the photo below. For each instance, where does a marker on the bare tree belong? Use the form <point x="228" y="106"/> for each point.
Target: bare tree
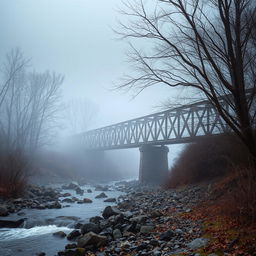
<point x="79" y="114"/>
<point x="208" y="46"/>
<point x="29" y="105"/>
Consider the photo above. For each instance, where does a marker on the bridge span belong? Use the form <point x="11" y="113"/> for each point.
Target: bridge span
<point x="152" y="132"/>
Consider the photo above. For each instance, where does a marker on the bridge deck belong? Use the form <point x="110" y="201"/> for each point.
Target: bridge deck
<point x="177" y="125"/>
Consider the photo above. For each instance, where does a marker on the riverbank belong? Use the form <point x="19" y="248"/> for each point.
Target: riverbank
<point x="154" y="222"/>
<point x="146" y="221"/>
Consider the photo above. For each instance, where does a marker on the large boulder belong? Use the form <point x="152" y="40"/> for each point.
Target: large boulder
<point x="110" y="211"/>
<point x="11" y="223"/>
<point x="73" y="234"/>
<point x="3" y="211"/>
<point x="92" y="239"/>
<point x="90" y="227"/>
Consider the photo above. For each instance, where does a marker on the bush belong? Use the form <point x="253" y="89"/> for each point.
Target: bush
<point x="13" y="173"/>
<point x="206" y="159"/>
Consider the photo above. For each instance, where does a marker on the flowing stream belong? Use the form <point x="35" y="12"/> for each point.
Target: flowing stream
<point x="36" y="235"/>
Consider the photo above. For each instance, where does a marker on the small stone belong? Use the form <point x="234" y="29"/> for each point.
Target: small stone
<point x="101" y="195"/>
<point x="146" y="229"/>
<point x="87" y="201"/>
<point x="197" y="243"/>
<point x="166" y="236"/>
<point x="110" y="200"/>
<point x="117" y="234"/>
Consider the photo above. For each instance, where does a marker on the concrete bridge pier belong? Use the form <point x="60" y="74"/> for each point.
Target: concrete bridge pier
<point x="153" y="164"/>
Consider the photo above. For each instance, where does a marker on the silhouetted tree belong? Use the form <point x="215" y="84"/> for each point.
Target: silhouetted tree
<point x="204" y="45"/>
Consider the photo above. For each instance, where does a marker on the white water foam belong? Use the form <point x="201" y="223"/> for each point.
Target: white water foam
<point x="19" y="233"/>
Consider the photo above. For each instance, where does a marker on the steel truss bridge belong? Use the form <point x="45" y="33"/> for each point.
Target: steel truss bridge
<point x="178" y="125"/>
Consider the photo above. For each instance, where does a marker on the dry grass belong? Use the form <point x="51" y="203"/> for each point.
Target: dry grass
<point x="206" y="159"/>
<point x="13" y="174"/>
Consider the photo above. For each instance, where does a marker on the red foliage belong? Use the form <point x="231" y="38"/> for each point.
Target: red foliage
<point x="13" y="174"/>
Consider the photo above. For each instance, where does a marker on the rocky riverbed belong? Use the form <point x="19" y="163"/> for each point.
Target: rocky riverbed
<point x="145" y="221"/>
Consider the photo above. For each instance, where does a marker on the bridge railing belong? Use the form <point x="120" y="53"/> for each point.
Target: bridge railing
<point x="178" y="125"/>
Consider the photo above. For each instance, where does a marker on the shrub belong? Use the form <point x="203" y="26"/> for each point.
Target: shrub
<point x="206" y="159"/>
<point x="13" y="173"/>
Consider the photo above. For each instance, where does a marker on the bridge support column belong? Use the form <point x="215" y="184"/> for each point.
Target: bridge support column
<point x="153" y="164"/>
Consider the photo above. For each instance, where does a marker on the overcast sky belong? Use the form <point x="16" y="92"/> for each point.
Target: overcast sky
<point x="76" y="38"/>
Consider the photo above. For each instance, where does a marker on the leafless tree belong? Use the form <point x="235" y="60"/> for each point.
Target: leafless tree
<point x="29" y="105"/>
<point x="79" y="114"/>
<point x="208" y="46"/>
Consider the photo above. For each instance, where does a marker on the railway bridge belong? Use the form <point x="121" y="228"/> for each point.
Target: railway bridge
<point x="153" y="132"/>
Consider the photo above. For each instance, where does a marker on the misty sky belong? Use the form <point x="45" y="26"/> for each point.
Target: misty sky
<point x="76" y="38"/>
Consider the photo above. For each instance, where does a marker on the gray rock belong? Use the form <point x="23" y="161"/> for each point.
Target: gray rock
<point x="79" y="191"/>
<point x="89" y="191"/>
<point x="197" y="243"/>
<point x="87" y="200"/>
<point x="101" y="195"/>
<point x="110" y="200"/>
<point x="101" y="188"/>
<point x="90" y="227"/>
<point x="72" y="235"/>
<point x="3" y="210"/>
<point x="146" y="229"/>
<point x="117" y="234"/>
<point x="110" y="211"/>
<point x="96" y="219"/>
<point x="167" y="236"/>
<point x="139" y="219"/>
<point x="60" y="234"/>
<point x="92" y="239"/>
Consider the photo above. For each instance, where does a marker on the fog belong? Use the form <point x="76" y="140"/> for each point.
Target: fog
<point x="75" y="38"/>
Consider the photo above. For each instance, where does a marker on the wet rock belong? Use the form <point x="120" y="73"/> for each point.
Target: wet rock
<point x="11" y="223"/>
<point x="67" y="200"/>
<point x="60" y="234"/>
<point x="3" y="210"/>
<point x="72" y="252"/>
<point x="92" y="239"/>
<point x="41" y="254"/>
<point x="197" y="243"/>
<point x="70" y="246"/>
<point x="90" y="227"/>
<point x="87" y="200"/>
<point x="110" y="200"/>
<point x="101" y="195"/>
<point x="110" y="211"/>
<point x="71" y="185"/>
<point x="79" y="191"/>
<point x="66" y="195"/>
<point x="89" y="191"/>
<point x="95" y="219"/>
<point x="101" y="188"/>
<point x="54" y="205"/>
<point x="73" y="234"/>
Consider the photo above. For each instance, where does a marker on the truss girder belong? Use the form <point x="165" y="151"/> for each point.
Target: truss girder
<point x="173" y="126"/>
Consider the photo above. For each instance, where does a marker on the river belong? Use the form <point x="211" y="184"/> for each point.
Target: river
<point x="36" y="235"/>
